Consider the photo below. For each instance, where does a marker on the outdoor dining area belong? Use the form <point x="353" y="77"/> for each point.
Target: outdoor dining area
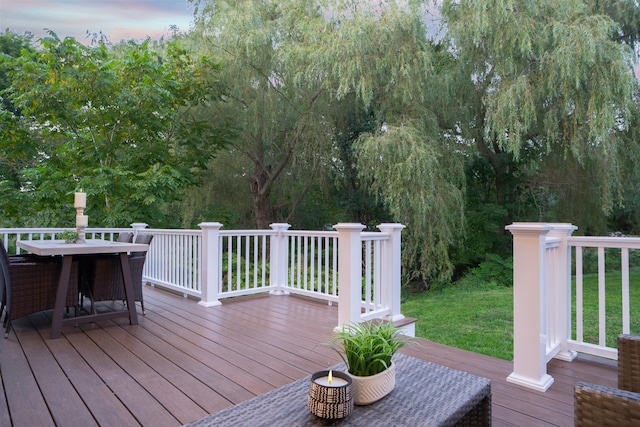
<point x="58" y="275"/>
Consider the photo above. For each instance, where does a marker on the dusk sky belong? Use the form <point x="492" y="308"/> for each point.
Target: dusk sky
<point x="118" y="19"/>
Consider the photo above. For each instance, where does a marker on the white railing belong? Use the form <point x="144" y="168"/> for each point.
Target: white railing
<point x="313" y="264"/>
<point x="173" y="260"/>
<point x="622" y="245"/>
<point x="313" y="268"/>
<point x="213" y="264"/>
<point x="365" y="265"/>
<point x="544" y="327"/>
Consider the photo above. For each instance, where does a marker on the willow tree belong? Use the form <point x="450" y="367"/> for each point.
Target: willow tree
<point x="382" y="56"/>
<point x="292" y="66"/>
<point x="542" y="85"/>
<point x="278" y="121"/>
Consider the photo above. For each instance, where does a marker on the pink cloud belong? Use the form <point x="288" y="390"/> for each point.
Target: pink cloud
<point x="118" y="19"/>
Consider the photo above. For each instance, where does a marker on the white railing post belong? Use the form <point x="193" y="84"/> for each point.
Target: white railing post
<point x="210" y="263"/>
<point x="138" y="226"/>
<point x="563" y="293"/>
<point x="349" y="273"/>
<point x="391" y="269"/>
<point x="279" y="259"/>
<point x="529" y="340"/>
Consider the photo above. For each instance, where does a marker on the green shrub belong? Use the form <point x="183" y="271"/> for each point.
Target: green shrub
<point x="494" y="270"/>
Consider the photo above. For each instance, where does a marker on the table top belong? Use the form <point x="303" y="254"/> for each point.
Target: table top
<point x="426" y="394"/>
<point x="90" y="246"/>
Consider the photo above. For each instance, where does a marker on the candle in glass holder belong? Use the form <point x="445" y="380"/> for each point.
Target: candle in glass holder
<point x="80" y="200"/>
<point x="82" y="220"/>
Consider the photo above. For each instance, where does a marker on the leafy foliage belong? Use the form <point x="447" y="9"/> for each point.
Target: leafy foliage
<point x="120" y="122"/>
<point x="493" y="270"/>
<point x="554" y="84"/>
<point x="281" y="139"/>
<point x="422" y="187"/>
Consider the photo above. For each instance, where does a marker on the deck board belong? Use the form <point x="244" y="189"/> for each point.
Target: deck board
<point x="63" y="401"/>
<point x="79" y="358"/>
<point x="184" y="361"/>
<point x="24" y="399"/>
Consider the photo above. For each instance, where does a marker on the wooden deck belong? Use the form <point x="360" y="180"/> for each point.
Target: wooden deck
<point x="184" y="361"/>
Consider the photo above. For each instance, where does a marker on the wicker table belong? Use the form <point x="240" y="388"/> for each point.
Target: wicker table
<point x="68" y="251"/>
<point x="426" y="394"/>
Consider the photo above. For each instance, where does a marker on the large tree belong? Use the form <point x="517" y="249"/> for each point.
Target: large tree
<point x="277" y="118"/>
<point x="383" y="57"/>
<point x="292" y="68"/>
<point x="544" y="92"/>
<point x="121" y="122"/>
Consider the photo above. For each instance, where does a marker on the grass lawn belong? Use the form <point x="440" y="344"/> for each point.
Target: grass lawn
<point x="479" y="318"/>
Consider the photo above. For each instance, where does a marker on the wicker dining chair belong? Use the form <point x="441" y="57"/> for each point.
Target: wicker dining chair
<point x="136" y="263"/>
<point x="29" y="285"/>
<point x="597" y="405"/>
<point x="102" y="275"/>
<point x="97" y="268"/>
<point x="125" y="237"/>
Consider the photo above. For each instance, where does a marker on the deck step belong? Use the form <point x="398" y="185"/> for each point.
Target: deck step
<point x="407" y="326"/>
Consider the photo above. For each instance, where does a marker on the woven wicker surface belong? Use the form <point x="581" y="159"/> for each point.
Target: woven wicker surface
<point x="599" y="406"/>
<point x="102" y="274"/>
<point x="34" y="286"/>
<point x="426" y="394"/>
<point x="32" y="283"/>
<point x="136" y="264"/>
<point x="102" y="277"/>
<point x="629" y="363"/>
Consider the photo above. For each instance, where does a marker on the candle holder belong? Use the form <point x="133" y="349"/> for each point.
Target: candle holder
<point x="81" y="224"/>
<point x="330" y="400"/>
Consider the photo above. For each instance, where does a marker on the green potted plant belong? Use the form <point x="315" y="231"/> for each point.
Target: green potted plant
<point x="367" y="349"/>
<point x="68" y="236"/>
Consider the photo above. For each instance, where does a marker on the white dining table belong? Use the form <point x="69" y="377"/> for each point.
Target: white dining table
<point x="89" y="247"/>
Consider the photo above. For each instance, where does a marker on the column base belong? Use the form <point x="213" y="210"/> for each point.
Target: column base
<point x="539" y="385"/>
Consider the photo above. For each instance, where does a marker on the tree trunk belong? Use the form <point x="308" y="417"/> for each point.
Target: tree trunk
<point x="261" y="191"/>
<point x="501" y="168"/>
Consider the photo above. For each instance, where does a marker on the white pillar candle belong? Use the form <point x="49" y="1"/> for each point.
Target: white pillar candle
<point x="80" y="200"/>
<point x="82" y="220"/>
<point x="335" y="382"/>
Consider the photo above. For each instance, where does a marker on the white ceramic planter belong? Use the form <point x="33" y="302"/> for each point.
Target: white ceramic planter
<point x="367" y="390"/>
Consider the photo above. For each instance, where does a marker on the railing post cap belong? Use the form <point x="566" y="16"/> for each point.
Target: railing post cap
<point x="139" y="225"/>
<point x="349" y="226"/>
<point x="391" y="225"/>
<point x="280" y="226"/>
<point x="563" y="226"/>
<point x="529" y="227"/>
<point x="210" y="225"/>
